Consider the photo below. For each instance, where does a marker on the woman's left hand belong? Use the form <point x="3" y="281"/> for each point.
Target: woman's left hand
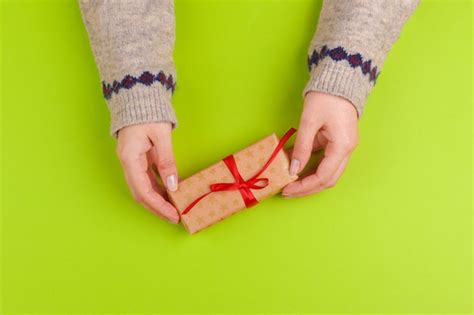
<point x="328" y="122"/>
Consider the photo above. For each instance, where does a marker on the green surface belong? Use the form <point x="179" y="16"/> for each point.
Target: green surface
<point x="393" y="237"/>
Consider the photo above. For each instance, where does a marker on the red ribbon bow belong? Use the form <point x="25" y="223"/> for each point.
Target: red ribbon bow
<point x="240" y="184"/>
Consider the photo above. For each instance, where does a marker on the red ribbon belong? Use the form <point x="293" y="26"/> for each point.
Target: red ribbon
<point x="240" y="184"/>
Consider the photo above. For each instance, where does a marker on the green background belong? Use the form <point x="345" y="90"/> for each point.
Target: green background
<point x="394" y="236"/>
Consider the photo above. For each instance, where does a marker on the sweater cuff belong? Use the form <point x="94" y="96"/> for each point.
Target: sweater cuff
<point x="342" y="80"/>
<point x="141" y="104"/>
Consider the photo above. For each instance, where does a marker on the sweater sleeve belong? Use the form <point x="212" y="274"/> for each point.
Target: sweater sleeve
<point x="133" y="42"/>
<point x="350" y="45"/>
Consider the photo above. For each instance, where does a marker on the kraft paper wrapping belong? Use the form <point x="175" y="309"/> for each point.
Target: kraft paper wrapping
<point x="219" y="205"/>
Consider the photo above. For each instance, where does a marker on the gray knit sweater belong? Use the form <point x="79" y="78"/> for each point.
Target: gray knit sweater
<point x="136" y="61"/>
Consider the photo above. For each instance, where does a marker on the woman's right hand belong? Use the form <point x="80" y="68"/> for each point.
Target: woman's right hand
<point x="138" y="148"/>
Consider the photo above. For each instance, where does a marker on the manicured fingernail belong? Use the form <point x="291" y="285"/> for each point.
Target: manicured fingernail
<point x="294" y="167"/>
<point x="172" y="183"/>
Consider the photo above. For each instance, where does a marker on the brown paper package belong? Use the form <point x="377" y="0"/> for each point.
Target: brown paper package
<point x="219" y="205"/>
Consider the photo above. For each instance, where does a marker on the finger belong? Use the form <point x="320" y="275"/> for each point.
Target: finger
<point x="333" y="158"/>
<point x="319" y="143"/>
<point x="333" y="181"/>
<point x="154" y="184"/>
<point x="138" y="179"/>
<point x="303" y="145"/>
<point x="164" y="156"/>
<point x="153" y="173"/>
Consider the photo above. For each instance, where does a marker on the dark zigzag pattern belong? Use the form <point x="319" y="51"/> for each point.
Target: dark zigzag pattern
<point x="146" y="78"/>
<point x="340" y="54"/>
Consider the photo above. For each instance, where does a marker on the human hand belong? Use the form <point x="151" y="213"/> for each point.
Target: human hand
<point x="138" y="148"/>
<point x="328" y="122"/>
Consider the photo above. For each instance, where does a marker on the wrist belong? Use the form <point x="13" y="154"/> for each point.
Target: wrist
<point x="140" y="105"/>
<point x="322" y="99"/>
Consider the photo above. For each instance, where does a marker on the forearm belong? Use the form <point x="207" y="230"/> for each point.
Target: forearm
<point x="351" y="43"/>
<point x="133" y="45"/>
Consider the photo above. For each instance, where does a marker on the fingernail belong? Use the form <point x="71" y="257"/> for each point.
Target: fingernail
<point x="294" y="167"/>
<point x="172" y="183"/>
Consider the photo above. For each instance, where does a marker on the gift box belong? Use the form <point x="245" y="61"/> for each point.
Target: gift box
<point x="239" y="181"/>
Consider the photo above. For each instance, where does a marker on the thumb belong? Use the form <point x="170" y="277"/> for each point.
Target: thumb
<point x="303" y="147"/>
<point x="164" y="157"/>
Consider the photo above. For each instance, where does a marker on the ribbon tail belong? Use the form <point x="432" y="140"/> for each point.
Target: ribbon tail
<point x="248" y="197"/>
<point x="192" y="204"/>
<point x="277" y="149"/>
